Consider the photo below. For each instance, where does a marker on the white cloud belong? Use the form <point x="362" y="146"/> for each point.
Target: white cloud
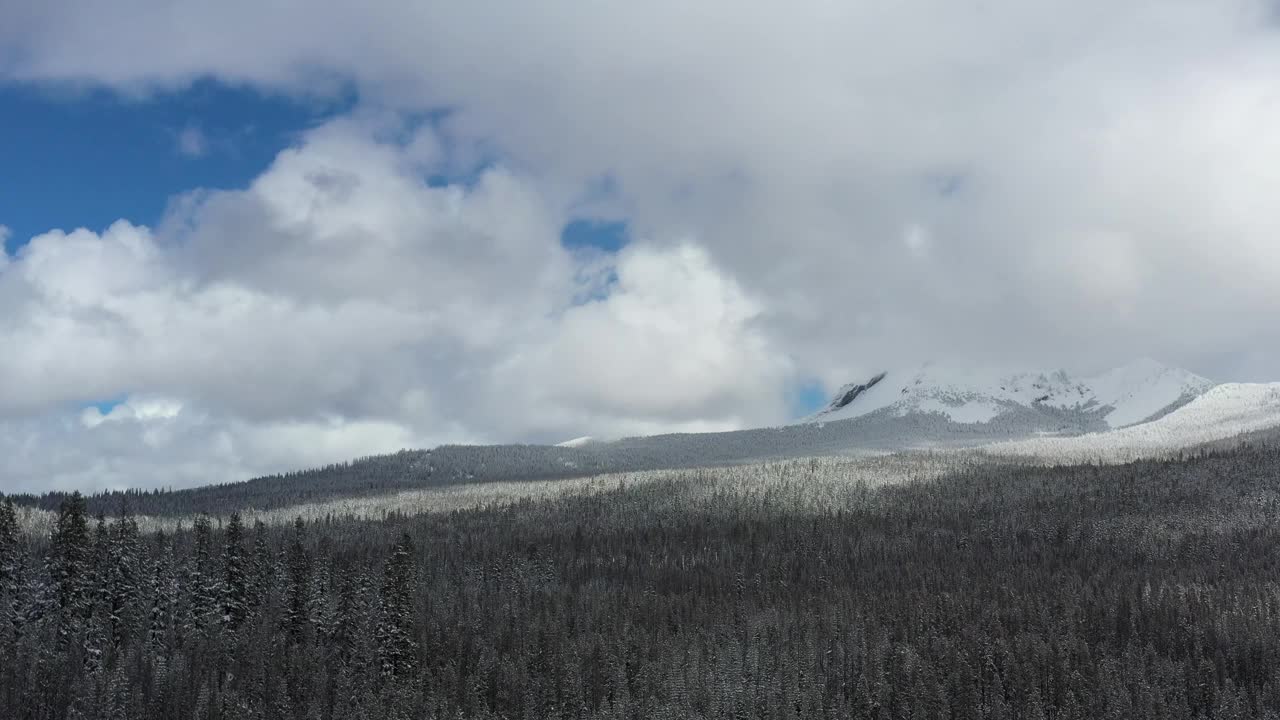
<point x="340" y="306"/>
<point x="675" y="341"/>
<point x="141" y="409"/>
<point x="157" y="442"/>
<point x="1100" y="174"/>
<point x="191" y="142"/>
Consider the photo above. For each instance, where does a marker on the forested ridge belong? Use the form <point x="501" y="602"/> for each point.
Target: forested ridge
<point x="454" y="464"/>
<point x="1149" y="590"/>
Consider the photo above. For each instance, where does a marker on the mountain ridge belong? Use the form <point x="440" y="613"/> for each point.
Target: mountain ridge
<point x="1134" y="393"/>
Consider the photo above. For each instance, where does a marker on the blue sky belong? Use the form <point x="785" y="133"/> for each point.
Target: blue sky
<point x="602" y="234"/>
<point x="87" y="158"/>
<point x="808" y="398"/>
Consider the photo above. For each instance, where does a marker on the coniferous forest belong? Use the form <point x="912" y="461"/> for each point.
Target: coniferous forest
<point x="1149" y="590"/>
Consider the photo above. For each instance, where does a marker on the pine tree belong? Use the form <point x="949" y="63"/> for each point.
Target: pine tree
<point x="29" y="601"/>
<point x="967" y="703"/>
<point x="320" y="610"/>
<point x="355" y="628"/>
<point x="235" y="594"/>
<point x="202" y="581"/>
<point x="96" y="638"/>
<point x="117" y="697"/>
<point x="68" y="566"/>
<point x="10" y="573"/>
<point x="346" y="617"/>
<point x="298" y="605"/>
<point x="203" y="703"/>
<point x="8" y="545"/>
<point x="395" y="632"/>
<point x="123" y="575"/>
<point x="164" y="594"/>
<point x="263" y="569"/>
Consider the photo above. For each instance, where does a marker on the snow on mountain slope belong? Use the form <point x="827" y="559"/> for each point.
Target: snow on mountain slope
<point x="1134" y="393"/>
<point x="928" y="407"/>
<point x="1221" y="413"/>
<point x="1142" y="389"/>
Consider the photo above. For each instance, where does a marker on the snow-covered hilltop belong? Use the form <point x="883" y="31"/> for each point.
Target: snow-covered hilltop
<point x="1135" y="393"/>
<point x="1221" y="413"/>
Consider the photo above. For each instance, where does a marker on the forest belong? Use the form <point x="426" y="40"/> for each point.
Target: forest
<point x="1147" y="590"/>
<point x="454" y="464"/>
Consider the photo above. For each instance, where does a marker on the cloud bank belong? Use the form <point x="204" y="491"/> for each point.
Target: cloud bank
<point x="815" y="191"/>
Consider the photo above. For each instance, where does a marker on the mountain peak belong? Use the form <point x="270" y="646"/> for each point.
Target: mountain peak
<point x="1140" y="389"/>
<point x="1134" y="392"/>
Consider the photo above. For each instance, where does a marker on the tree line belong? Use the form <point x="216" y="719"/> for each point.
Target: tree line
<point x="1142" y="591"/>
<point x="458" y="464"/>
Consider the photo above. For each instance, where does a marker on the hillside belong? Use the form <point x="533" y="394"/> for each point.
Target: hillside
<point x="1043" y="416"/>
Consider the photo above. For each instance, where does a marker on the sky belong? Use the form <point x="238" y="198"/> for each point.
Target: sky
<point x="244" y="238"/>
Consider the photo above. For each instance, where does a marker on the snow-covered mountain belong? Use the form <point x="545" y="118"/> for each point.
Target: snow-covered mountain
<point x="1134" y="393"/>
<point x="1138" y="410"/>
<point x="1223" y="412"/>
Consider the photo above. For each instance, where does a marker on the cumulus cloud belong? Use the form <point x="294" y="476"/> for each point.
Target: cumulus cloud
<point x="838" y="186"/>
<point x="340" y="305"/>
<point x="674" y="340"/>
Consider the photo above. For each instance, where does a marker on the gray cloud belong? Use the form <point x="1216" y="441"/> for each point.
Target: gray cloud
<point x="843" y="186"/>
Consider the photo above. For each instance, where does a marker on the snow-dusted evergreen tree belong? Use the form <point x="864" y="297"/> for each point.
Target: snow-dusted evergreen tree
<point x="8" y="545"/>
<point x="235" y="586"/>
<point x="10" y="572"/>
<point x="164" y="594"/>
<point x="397" y="643"/>
<point x="123" y="581"/>
<point x="350" y="615"/>
<point x="96" y="635"/>
<point x="263" y="570"/>
<point x="117" y="700"/>
<point x="298" y="604"/>
<point x="320" y="608"/>
<point x="202" y="577"/>
<point x="68" y="567"/>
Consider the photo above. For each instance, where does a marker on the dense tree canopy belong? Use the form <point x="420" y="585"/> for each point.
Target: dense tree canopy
<point x="1149" y="590"/>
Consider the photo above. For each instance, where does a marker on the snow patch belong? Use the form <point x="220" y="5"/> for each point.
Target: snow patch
<point x="975" y="411"/>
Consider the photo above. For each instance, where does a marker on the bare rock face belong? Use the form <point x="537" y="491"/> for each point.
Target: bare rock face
<point x="849" y="393"/>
